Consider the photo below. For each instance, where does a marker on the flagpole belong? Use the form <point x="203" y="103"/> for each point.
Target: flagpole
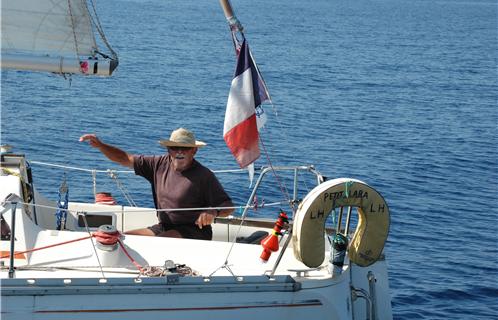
<point x="227" y="8"/>
<point x="234" y="23"/>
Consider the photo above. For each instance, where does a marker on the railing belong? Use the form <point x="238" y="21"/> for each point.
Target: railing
<point x="16" y="161"/>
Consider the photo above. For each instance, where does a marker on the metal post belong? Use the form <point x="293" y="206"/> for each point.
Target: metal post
<point x="282" y="251"/>
<point x="362" y="293"/>
<point x="253" y="193"/>
<point x="294" y="196"/>
<point x="12" y="238"/>
<point x="348" y="220"/>
<point x="371" y="288"/>
<point x="339" y="220"/>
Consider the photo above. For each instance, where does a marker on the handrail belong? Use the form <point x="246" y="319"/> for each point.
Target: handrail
<point x="362" y="293"/>
<point x="293" y="202"/>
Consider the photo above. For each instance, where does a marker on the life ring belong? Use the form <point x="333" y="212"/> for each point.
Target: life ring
<point x="371" y="232"/>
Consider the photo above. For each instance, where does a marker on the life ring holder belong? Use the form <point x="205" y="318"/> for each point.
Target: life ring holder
<point x="367" y="243"/>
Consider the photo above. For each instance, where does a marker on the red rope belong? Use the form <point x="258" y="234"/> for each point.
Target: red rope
<point x="106" y="238"/>
<point x="102" y="237"/>
<point x="139" y="267"/>
<point x="46" y="247"/>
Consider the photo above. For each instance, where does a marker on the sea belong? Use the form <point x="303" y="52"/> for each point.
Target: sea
<point x="401" y="94"/>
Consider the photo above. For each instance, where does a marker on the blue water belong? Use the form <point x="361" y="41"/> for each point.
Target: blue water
<point x="401" y="94"/>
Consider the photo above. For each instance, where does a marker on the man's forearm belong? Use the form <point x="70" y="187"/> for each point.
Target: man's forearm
<point x="116" y="155"/>
<point x="225" y="212"/>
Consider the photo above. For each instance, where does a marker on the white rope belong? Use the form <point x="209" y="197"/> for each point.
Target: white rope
<point x="146" y="210"/>
<point x="122" y="188"/>
<point x="76" y="168"/>
<point x="94" y="247"/>
<point x="119" y="171"/>
<point x="113" y="174"/>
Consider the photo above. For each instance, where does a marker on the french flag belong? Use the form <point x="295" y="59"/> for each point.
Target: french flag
<point x="247" y="92"/>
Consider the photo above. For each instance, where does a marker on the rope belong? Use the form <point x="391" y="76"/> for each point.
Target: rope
<point x="146" y="210"/>
<point x="119" y="171"/>
<point x="139" y="267"/>
<point x="283" y="189"/>
<point x="61" y="213"/>
<point x="93" y="246"/>
<point x="100" y="30"/>
<point x="46" y="247"/>
<point x="122" y="188"/>
<point x="107" y="238"/>
<point x="347" y="186"/>
<point x="76" y="168"/>
<point x="111" y="238"/>
<point x="102" y="237"/>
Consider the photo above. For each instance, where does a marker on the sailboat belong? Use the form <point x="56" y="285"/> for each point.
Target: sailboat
<point x="54" y="36"/>
<point x="71" y="260"/>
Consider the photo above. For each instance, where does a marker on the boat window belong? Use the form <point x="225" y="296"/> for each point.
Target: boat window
<point x="94" y="221"/>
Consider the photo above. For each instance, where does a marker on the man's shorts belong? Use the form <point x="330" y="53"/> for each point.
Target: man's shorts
<point x="189" y="231"/>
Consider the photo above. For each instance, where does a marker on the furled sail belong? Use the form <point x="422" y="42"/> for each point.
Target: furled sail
<point x="53" y="36"/>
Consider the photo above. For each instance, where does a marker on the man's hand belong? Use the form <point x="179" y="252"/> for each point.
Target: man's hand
<point x="206" y="218"/>
<point x="92" y="140"/>
<point x="112" y="153"/>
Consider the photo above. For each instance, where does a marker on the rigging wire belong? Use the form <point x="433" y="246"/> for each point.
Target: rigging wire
<point x="113" y="175"/>
<point x="93" y="245"/>
<point x="283" y="188"/>
<point x="153" y="210"/>
<point x="100" y="30"/>
<point x="119" y="171"/>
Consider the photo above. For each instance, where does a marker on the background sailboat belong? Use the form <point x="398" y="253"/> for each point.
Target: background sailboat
<point x="54" y="36"/>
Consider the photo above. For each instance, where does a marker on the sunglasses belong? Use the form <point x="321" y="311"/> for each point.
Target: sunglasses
<point x="180" y="148"/>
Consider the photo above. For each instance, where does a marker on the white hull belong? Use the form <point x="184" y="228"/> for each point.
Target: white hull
<point x="125" y="299"/>
<point x="66" y="281"/>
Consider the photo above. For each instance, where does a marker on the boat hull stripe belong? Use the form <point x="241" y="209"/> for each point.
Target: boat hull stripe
<point x="310" y="303"/>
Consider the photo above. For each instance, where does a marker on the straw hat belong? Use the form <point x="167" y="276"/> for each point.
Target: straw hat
<point x="182" y="138"/>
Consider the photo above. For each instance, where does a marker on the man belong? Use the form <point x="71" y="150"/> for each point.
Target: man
<point x="178" y="181"/>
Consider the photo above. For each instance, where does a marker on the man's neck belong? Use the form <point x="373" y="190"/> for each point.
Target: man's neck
<point x="181" y="168"/>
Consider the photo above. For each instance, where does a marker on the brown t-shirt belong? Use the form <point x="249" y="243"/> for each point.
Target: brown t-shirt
<point x="196" y="187"/>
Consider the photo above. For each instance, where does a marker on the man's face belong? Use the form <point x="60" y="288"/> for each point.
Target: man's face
<point x="182" y="157"/>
